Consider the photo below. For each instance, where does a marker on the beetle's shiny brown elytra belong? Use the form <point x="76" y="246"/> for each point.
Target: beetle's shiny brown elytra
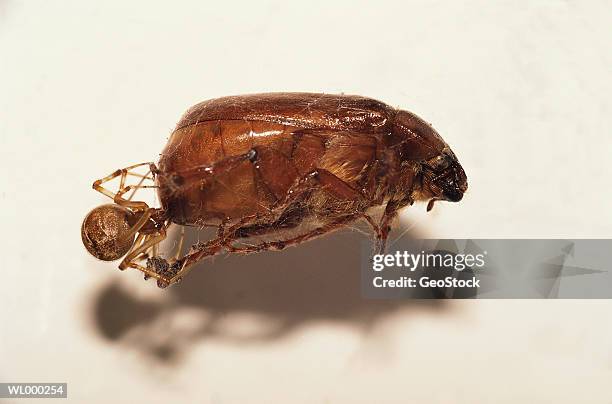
<point x="264" y="164"/>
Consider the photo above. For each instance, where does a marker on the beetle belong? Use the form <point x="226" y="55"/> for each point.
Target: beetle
<point x="265" y="164"/>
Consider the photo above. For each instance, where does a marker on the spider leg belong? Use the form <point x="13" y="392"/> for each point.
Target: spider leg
<point x="124" y="173"/>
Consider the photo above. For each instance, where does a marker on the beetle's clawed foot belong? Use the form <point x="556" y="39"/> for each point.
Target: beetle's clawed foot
<point x="166" y="270"/>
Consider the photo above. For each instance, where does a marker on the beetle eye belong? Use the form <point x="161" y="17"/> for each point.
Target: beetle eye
<point x="439" y="163"/>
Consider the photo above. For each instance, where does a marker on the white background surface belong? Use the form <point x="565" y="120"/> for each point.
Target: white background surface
<point x="520" y="90"/>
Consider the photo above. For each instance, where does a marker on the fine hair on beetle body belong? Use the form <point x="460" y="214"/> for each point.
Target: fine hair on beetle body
<point x="287" y="166"/>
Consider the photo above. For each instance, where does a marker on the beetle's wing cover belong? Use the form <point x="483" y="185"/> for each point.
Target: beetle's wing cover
<point x="304" y="110"/>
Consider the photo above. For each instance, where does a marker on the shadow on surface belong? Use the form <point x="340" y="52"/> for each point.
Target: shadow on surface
<point x="249" y="299"/>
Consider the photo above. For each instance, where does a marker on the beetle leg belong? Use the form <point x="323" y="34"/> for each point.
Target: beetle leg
<point x="196" y="253"/>
<point x="231" y="231"/>
<point x="391" y="209"/>
<point x="336" y="186"/>
<point x="385" y="227"/>
<point x="213" y="247"/>
<point x="327" y="181"/>
<point x="209" y="248"/>
<point x="375" y="227"/>
<point x="282" y="244"/>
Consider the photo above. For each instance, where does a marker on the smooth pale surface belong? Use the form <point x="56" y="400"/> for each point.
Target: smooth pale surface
<point x="520" y="93"/>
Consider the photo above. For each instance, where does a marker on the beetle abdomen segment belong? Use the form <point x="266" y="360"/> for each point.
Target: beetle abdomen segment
<point x="231" y="169"/>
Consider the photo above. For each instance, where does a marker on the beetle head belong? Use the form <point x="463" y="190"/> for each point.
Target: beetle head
<point x="106" y="232"/>
<point x="443" y="178"/>
<point x="417" y="142"/>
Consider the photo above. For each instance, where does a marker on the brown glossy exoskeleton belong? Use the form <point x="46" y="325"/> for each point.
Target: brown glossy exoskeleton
<point x="264" y="164"/>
